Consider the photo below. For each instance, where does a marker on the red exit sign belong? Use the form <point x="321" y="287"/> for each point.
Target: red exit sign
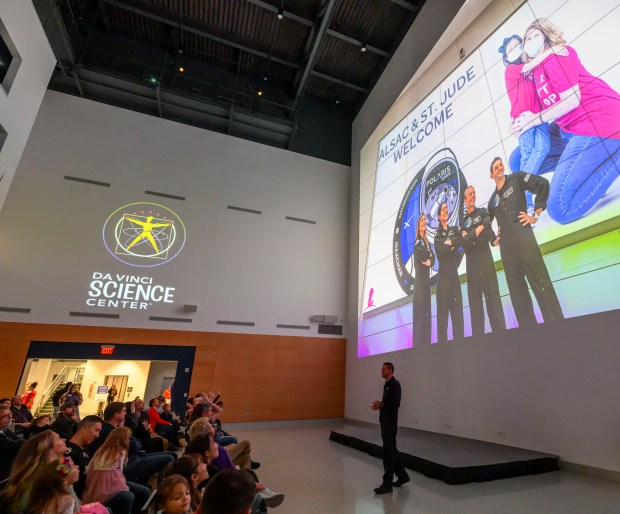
<point x="107" y="349"/>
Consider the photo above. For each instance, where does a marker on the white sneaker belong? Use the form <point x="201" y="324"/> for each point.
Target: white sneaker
<point x="271" y="498"/>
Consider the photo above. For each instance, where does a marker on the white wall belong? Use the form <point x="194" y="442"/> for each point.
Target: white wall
<point x="547" y="390"/>
<point x="235" y="266"/>
<point x="39" y="371"/>
<point x="157" y="372"/>
<point x="18" y="109"/>
<point x="96" y="371"/>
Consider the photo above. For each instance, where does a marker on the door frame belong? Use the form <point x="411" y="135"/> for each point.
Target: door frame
<point x="184" y="355"/>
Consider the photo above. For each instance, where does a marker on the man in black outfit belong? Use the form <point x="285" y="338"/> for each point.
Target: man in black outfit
<point x="66" y="423"/>
<point x="9" y="443"/>
<point x="518" y="246"/>
<point x="388" y="419"/>
<point x="481" y="275"/>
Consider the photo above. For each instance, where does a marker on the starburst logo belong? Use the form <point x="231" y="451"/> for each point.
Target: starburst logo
<point x="144" y="234"/>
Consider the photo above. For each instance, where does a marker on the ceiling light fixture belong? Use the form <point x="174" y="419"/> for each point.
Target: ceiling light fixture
<point x="363" y="49"/>
<point x="280" y="13"/>
<point x="259" y="92"/>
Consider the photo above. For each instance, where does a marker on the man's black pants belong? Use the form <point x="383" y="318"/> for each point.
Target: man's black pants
<point x="391" y="457"/>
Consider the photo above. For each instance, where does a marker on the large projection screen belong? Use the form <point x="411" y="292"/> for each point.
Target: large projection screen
<point x="541" y="93"/>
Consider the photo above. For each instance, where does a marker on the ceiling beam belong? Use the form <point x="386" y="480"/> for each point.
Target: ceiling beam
<point x="406" y="5"/>
<point x="314" y="52"/>
<point x="358" y="43"/>
<point x="341" y="82"/>
<point x="310" y="23"/>
<point x="142" y="9"/>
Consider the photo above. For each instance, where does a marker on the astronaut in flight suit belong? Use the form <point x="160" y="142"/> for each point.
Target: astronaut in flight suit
<point x="519" y="249"/>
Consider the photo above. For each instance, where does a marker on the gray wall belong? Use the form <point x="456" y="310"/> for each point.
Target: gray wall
<point x="545" y="390"/>
<point x="235" y="266"/>
<point x="157" y="372"/>
<point x="20" y="103"/>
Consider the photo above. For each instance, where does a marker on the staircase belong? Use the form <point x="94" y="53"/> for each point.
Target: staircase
<point x="68" y="374"/>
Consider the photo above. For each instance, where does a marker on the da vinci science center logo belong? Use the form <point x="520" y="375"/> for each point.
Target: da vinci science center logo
<point x="144" y="234"/>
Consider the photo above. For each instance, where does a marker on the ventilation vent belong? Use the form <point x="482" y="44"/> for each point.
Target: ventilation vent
<point x="94" y="315"/>
<point x="165" y="195"/>
<point x="334" y="330"/>
<point x="301" y="220"/>
<point x="172" y="320"/>
<point x="236" y="323"/>
<point x="298" y="327"/>
<point x="243" y="209"/>
<point x="20" y="310"/>
<point x="87" y="181"/>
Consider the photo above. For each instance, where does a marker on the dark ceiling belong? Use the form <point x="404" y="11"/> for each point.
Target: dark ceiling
<point x="288" y="73"/>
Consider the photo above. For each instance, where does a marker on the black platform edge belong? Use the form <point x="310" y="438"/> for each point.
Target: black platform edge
<point x="456" y="476"/>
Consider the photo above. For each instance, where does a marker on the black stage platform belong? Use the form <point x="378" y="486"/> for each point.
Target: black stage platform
<point x="455" y="460"/>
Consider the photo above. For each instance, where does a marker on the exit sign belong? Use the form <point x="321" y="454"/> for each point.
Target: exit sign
<point x="107" y="349"/>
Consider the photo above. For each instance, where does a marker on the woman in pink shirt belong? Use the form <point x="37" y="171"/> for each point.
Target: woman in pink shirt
<point x="586" y="109"/>
<point x="534" y="143"/>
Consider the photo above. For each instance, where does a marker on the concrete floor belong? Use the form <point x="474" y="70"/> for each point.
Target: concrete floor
<point x="323" y="477"/>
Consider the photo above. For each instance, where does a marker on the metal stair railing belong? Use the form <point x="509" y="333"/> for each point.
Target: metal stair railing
<point x="74" y="374"/>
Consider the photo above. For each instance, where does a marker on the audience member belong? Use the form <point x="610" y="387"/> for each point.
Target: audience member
<point x="39" y="424"/>
<point x="239" y="453"/>
<point x="141" y="465"/>
<point x="173" y="496"/>
<point x="104" y="473"/>
<point x="74" y="396"/>
<point x="56" y="403"/>
<point x="29" y="395"/>
<point x="141" y="428"/>
<point x="229" y="492"/>
<point x="52" y="482"/>
<point x="65" y="424"/>
<point x="9" y="442"/>
<point x="160" y="426"/>
<point x="21" y="415"/>
<point x="87" y="431"/>
<point x="37" y="451"/>
<point x="193" y="468"/>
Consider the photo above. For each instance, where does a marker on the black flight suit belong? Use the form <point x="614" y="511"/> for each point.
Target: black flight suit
<point x="422" y="292"/>
<point x="481" y="275"/>
<point x="449" y="298"/>
<point x="519" y="250"/>
<point x="388" y="419"/>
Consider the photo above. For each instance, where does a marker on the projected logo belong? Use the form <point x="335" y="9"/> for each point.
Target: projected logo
<point x="144" y="234"/>
<point x="441" y="180"/>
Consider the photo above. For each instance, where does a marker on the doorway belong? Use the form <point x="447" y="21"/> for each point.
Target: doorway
<point x="126" y="365"/>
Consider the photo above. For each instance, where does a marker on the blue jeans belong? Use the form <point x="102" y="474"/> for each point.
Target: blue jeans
<point x="225" y="440"/>
<point x="140" y="469"/>
<point x="588" y="167"/>
<point x="534" y="144"/>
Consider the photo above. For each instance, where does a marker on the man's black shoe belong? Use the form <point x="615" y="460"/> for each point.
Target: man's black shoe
<point x="254" y="464"/>
<point x="383" y="489"/>
<point x="401" y="481"/>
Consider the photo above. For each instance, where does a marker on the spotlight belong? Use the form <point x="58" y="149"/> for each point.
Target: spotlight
<point x="337" y="100"/>
<point x="280" y="13"/>
<point x="181" y="69"/>
<point x="153" y="80"/>
<point x="363" y="49"/>
<point x="259" y="92"/>
<point x="265" y="78"/>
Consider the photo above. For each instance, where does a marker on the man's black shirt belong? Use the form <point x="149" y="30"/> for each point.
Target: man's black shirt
<point x="388" y="413"/>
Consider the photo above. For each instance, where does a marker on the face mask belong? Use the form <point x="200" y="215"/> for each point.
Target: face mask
<point x="514" y="55"/>
<point x="533" y="47"/>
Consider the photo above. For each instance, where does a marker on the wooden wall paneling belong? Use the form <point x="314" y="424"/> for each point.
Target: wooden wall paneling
<point x="261" y="377"/>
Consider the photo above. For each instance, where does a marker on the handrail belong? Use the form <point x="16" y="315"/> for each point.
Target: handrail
<point x="61" y="377"/>
<point x="53" y="386"/>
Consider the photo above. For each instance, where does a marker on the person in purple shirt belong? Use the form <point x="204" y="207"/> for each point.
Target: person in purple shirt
<point x="586" y="109"/>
